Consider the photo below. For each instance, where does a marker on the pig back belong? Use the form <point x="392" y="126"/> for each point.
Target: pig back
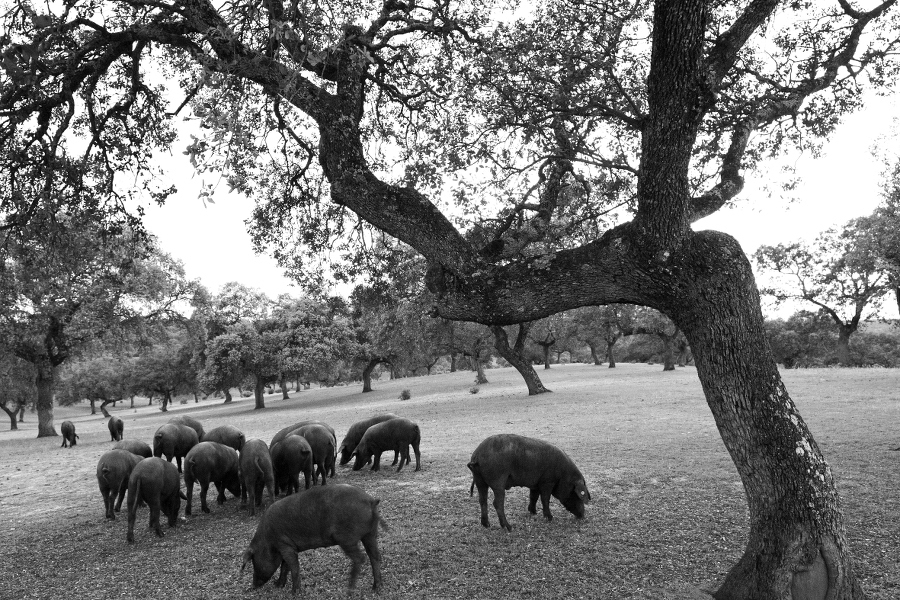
<point x="211" y="458"/>
<point x="356" y="431"/>
<point x="522" y="461"/>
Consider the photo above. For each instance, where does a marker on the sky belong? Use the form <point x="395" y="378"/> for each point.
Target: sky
<point x="843" y="183"/>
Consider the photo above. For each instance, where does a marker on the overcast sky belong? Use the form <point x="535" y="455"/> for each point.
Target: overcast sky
<point x="843" y="183"/>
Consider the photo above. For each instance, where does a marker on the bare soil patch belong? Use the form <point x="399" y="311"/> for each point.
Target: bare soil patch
<point x="668" y="514"/>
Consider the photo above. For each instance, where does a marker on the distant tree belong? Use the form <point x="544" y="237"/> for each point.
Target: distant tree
<point x="883" y="227"/>
<point x="17" y="382"/>
<point x="839" y="272"/>
<point x="102" y="377"/>
<point x="649" y="322"/>
<point x="166" y="368"/>
<point x="804" y="339"/>
<point x="545" y="333"/>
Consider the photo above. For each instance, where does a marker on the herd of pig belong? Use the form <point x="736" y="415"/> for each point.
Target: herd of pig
<point x="325" y="515"/>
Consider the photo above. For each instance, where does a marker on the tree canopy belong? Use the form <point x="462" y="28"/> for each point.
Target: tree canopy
<point x="495" y="143"/>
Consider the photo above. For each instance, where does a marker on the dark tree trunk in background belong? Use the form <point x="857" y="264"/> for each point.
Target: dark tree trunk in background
<point x="668" y="352"/>
<point x="45" y="380"/>
<point x="609" y="354"/>
<point x="167" y="399"/>
<point x="93" y="406"/>
<point x="453" y="362"/>
<point x="283" y="383"/>
<point x="103" y="408"/>
<point x="149" y="399"/>
<point x="367" y="374"/>
<point x="22" y="414"/>
<point x="594" y="356"/>
<point x="842" y="350"/>
<point x="513" y="355"/>
<point x="258" y="389"/>
<point x="12" y="417"/>
<point x="228" y="398"/>
<point x="132" y="402"/>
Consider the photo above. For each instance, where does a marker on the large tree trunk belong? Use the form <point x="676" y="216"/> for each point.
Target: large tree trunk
<point x="12" y="417"/>
<point x="797" y="546"/>
<point x="258" y="390"/>
<point x="513" y="355"/>
<point x="480" y="377"/>
<point x="167" y="399"/>
<point x="609" y="354"/>
<point x="93" y="406"/>
<point x="282" y="382"/>
<point x="45" y="380"/>
<point x="453" y="362"/>
<point x="228" y="398"/>
<point x="103" y="408"/>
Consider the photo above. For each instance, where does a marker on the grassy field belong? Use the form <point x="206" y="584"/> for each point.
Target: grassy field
<point x="668" y="514"/>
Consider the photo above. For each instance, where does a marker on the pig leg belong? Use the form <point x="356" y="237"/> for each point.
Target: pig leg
<point x="178" y="461"/>
<point x="499" y="501"/>
<point x="404" y="456"/>
<point x="356" y="559"/>
<point x="154" y="516"/>
<point x="415" y="446"/>
<point x="545" y="502"/>
<point x="108" y="498"/>
<point x="289" y="558"/>
<point x="189" y="491"/>
<point x="282" y="574"/>
<point x="532" y="500"/>
<point x="376" y="461"/>
<point x="396" y="456"/>
<point x="220" y="499"/>
<point x="370" y="543"/>
<point x="204" y="487"/>
<point x="122" y="489"/>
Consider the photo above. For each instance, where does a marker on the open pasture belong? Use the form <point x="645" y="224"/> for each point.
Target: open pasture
<point x="667" y="514"/>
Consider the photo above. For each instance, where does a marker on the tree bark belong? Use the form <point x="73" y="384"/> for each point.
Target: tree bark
<point x="93" y="406"/>
<point x="453" y="362"/>
<point x="609" y="354"/>
<point x="258" y="389"/>
<point x="167" y="399"/>
<point x="546" y="349"/>
<point x="513" y="355"/>
<point x="12" y="417"/>
<point x="480" y="377"/>
<point x="367" y="374"/>
<point x="282" y="382"/>
<point x="797" y="545"/>
<point x="228" y="398"/>
<point x="22" y="413"/>
<point x="45" y="380"/>
<point x="842" y="350"/>
<point x="594" y="356"/>
<point x="103" y="407"/>
<point x="668" y="352"/>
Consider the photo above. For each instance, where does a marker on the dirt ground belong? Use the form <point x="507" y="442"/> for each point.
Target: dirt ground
<point x="668" y="514"/>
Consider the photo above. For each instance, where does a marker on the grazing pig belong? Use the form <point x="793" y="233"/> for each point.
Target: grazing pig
<point x="336" y="515"/>
<point x="355" y="433"/>
<point x="507" y="460"/>
<point x="283" y="433"/>
<point x="290" y="456"/>
<point x="256" y="473"/>
<point x="190" y="422"/>
<point x="135" y="447"/>
<point x="68" y="434"/>
<point x="211" y="462"/>
<point x="322" y="443"/>
<point x="113" y="470"/>
<point x="225" y="434"/>
<point x="394" y="434"/>
<point x="116" y="428"/>
<point x="156" y="483"/>
<point x="173" y="439"/>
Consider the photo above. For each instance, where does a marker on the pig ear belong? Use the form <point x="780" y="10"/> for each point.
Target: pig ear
<point x="248" y="556"/>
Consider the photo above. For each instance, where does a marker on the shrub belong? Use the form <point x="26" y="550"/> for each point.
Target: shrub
<point x="473" y="389"/>
<point x="405" y="395"/>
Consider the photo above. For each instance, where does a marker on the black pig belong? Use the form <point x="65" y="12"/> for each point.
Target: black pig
<point x="190" y="422"/>
<point x="116" y="428"/>
<point x="135" y="447"/>
<point x="156" y="483"/>
<point x="225" y="434"/>
<point x="256" y="473"/>
<point x="507" y="460"/>
<point x="335" y="515"/>
<point x="174" y="440"/>
<point x="394" y="434"/>
<point x="290" y="457"/>
<point x="68" y="434"/>
<point x="211" y="462"/>
<point x="355" y="433"/>
<point x="113" y="470"/>
<point x="321" y="440"/>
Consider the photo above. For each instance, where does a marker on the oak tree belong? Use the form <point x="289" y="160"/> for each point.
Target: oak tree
<point x="340" y="118"/>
